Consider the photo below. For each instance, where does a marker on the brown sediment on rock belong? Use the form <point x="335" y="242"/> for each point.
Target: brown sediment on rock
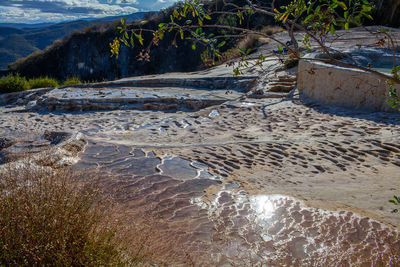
<point x="201" y="170"/>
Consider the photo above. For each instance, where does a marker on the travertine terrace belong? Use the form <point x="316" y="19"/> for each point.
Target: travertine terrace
<point x="237" y="176"/>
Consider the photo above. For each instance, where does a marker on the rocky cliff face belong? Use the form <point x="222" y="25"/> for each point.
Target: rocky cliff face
<point x="387" y="12"/>
<point x="87" y="55"/>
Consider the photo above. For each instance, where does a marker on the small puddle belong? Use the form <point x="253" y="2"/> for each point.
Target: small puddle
<point x="123" y="159"/>
<point x="282" y="230"/>
<point x="177" y="167"/>
<point x="213" y="113"/>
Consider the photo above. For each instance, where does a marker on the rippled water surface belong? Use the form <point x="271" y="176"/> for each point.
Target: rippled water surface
<point x="234" y="226"/>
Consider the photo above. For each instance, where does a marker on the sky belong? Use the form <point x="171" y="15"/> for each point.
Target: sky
<point x="40" y="11"/>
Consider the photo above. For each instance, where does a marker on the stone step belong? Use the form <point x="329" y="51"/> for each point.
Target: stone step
<point x="287" y="78"/>
<point x="201" y="82"/>
<point x="281" y="88"/>
<point x="111" y="98"/>
<point x="282" y="83"/>
<point x="267" y="95"/>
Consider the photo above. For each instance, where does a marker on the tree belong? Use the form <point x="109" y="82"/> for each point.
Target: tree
<point x="317" y="19"/>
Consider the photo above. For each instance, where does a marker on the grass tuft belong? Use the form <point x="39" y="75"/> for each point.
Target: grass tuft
<point x="13" y="83"/>
<point x="43" y="82"/>
<point x="72" y="81"/>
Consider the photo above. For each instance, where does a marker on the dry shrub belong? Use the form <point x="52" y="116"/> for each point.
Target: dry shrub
<point x="270" y="30"/>
<point x="52" y="217"/>
<point x="248" y="42"/>
<point x="251" y="41"/>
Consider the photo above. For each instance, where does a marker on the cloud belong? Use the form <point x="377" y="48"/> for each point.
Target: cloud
<point x="36" y="11"/>
<point x="156" y="4"/>
<point x="32" y="11"/>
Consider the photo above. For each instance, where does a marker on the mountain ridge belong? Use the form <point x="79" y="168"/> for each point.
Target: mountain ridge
<point x="18" y="42"/>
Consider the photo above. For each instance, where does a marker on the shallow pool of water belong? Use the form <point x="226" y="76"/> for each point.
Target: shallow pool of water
<point x="235" y="226"/>
<point x="384" y="70"/>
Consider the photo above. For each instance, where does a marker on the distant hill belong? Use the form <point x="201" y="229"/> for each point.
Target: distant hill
<point x="20" y="40"/>
<point x="24" y="25"/>
<point x="86" y="53"/>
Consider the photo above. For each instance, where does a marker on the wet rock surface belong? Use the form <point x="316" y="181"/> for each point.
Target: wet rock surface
<point x="280" y="181"/>
<point x="64" y="146"/>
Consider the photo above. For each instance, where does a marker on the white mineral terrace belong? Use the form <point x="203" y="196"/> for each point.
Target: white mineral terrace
<point x="238" y="178"/>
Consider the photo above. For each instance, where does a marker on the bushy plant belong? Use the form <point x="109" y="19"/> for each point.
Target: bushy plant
<point x="50" y="217"/>
<point x="72" y="81"/>
<point x="43" y="82"/>
<point x="13" y="83"/>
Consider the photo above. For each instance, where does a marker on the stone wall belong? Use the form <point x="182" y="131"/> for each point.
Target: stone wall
<point x="343" y="86"/>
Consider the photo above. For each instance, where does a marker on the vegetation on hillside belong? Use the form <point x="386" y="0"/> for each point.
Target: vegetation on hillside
<point x="15" y="83"/>
<point x="85" y="54"/>
<point x="18" y="43"/>
<point x="42" y="82"/>
<point x="72" y="81"/>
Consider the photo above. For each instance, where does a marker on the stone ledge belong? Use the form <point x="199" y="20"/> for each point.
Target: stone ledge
<point x="344" y="87"/>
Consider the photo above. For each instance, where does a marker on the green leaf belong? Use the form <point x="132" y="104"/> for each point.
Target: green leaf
<point x="221" y="44"/>
<point x="310" y="7"/>
<point x="131" y="41"/>
<point x="139" y="37"/>
<point x="342" y="4"/>
<point x="368" y="16"/>
<point x="333" y="30"/>
<point x="366" y="8"/>
<point x="308" y="17"/>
